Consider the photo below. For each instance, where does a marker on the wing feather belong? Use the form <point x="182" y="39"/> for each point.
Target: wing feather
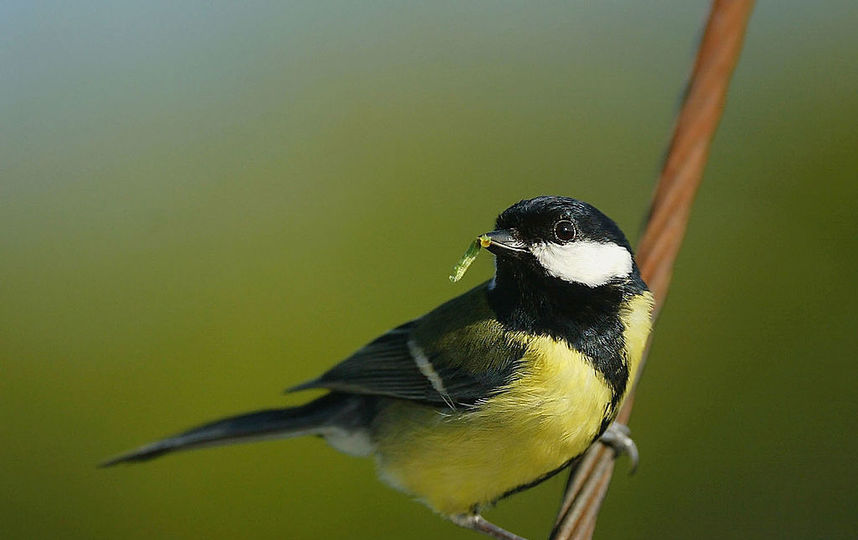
<point x="462" y="355"/>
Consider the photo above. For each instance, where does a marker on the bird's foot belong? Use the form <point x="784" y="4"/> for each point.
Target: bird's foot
<point x="476" y="522"/>
<point x="618" y="437"/>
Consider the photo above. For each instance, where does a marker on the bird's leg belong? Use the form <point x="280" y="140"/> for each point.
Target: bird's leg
<point x="476" y="522"/>
<point x="617" y="436"/>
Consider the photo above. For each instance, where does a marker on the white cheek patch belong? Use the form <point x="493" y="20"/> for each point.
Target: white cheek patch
<point x="586" y="262"/>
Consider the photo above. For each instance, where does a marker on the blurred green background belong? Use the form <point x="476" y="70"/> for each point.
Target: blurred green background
<point x="203" y="203"/>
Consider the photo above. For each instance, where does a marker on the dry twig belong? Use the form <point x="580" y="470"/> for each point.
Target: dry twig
<point x="671" y="205"/>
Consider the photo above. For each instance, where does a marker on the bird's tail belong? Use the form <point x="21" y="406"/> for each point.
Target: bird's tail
<point x="314" y="418"/>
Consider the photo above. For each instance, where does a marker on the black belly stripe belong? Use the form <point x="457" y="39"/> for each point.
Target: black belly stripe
<point x="586" y="318"/>
<point x="543" y="478"/>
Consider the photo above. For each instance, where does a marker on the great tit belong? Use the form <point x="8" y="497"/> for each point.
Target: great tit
<point x="493" y="391"/>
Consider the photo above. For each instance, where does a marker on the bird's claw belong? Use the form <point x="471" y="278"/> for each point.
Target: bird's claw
<point x="618" y="437"/>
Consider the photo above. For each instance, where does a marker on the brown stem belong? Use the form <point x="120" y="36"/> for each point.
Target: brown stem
<point x="671" y="206"/>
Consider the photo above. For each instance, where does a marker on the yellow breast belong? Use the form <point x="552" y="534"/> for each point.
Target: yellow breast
<point x="636" y="316"/>
<point x="458" y="460"/>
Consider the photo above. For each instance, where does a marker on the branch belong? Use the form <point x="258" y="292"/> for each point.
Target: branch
<point x="665" y="229"/>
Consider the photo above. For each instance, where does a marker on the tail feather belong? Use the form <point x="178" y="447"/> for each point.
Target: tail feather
<point x="311" y="418"/>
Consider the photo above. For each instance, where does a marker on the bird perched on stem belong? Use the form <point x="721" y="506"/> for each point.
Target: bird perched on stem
<point x="493" y="391"/>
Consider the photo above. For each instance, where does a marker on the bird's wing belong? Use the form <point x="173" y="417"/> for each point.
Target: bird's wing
<point x="455" y="355"/>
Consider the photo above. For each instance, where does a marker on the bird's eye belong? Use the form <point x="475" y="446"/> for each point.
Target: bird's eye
<point x="564" y="231"/>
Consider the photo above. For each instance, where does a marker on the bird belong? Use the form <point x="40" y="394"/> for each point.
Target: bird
<point x="493" y="391"/>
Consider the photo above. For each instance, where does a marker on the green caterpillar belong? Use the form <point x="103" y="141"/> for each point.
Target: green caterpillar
<point x="470" y="255"/>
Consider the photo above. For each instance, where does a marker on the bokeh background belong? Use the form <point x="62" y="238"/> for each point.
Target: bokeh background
<point x="203" y="203"/>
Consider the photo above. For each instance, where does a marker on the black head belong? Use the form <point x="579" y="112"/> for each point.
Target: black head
<point x="562" y="238"/>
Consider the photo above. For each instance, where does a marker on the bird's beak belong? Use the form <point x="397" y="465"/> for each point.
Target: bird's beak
<point x="502" y="242"/>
